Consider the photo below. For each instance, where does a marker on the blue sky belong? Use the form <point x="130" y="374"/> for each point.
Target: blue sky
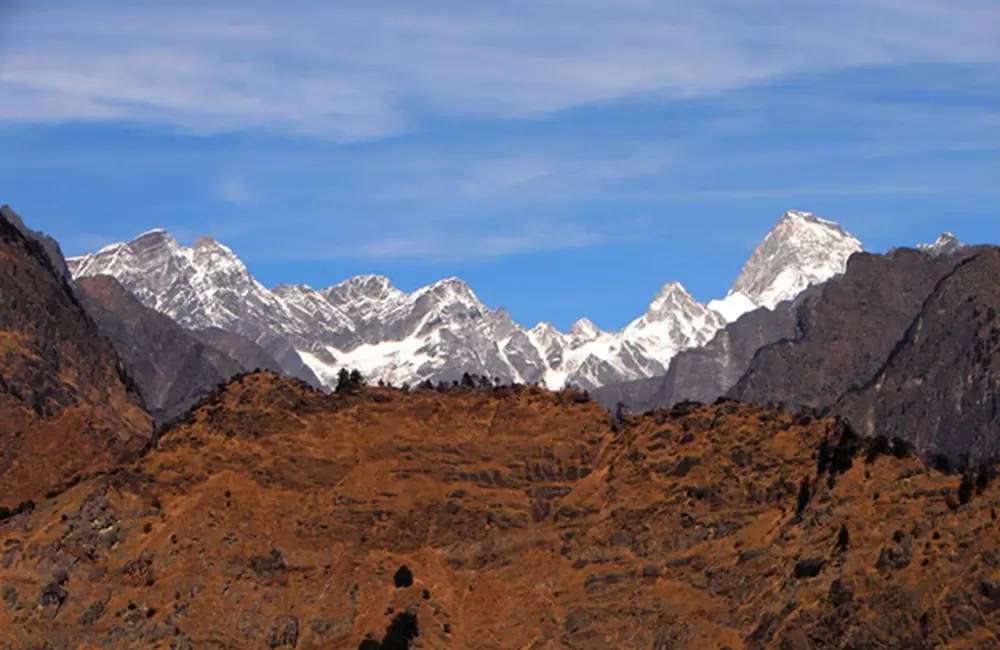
<point x="565" y="158"/>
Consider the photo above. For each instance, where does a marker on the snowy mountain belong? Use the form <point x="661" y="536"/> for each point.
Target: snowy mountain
<point x="442" y="330"/>
<point x="946" y="244"/>
<point x="800" y="251"/>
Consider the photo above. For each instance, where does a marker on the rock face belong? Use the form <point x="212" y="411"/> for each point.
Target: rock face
<point x="245" y="352"/>
<point x="67" y="404"/>
<point x="277" y="516"/>
<point x="49" y="245"/>
<point x="440" y="331"/>
<point x="702" y="374"/>
<point x="171" y="366"/>
<point x="940" y="387"/>
<point x="846" y="332"/>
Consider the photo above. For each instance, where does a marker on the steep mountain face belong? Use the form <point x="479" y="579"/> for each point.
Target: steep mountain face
<point x="702" y="374"/>
<point x="67" y="404"/>
<point x="245" y="352"/>
<point x="844" y="334"/>
<point x="802" y="250"/>
<point x="171" y="366"/>
<point x="49" y="245"/>
<point x="440" y="331"/>
<point x="279" y="517"/>
<point x="940" y="387"/>
<point x="201" y="287"/>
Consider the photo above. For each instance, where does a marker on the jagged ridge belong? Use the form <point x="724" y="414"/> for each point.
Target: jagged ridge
<point x="442" y="330"/>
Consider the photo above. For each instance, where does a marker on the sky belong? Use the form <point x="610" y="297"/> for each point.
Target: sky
<point x="565" y="158"/>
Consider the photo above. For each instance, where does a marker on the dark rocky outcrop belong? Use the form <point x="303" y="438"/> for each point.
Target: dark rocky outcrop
<point x="171" y="366"/>
<point x="845" y="333"/>
<point x="939" y="389"/>
<point x="48" y="243"/>
<point x="67" y="402"/>
<point x="244" y="351"/>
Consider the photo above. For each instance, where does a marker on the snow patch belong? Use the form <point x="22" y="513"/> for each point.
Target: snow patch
<point x="733" y="306"/>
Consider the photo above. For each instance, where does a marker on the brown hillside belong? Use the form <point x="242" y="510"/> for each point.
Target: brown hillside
<point x="66" y="403"/>
<point x="279" y="517"/>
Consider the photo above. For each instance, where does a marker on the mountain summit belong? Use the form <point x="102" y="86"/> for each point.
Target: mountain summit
<point x="440" y="331"/>
<point x="800" y="251"/>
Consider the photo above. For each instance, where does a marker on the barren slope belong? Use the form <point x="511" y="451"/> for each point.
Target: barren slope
<point x="66" y="402"/>
<point x="279" y="517"/>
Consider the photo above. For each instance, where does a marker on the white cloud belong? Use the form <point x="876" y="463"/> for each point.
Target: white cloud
<point x="418" y="243"/>
<point x="235" y="189"/>
<point x="349" y="71"/>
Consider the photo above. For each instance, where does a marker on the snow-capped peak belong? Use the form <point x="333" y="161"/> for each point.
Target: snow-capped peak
<point x="584" y="331"/>
<point x="442" y="330"/>
<point x="801" y="250"/>
<point x="945" y="244"/>
<point x="672" y="296"/>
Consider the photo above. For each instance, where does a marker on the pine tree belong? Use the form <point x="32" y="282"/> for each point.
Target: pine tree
<point x="343" y="380"/>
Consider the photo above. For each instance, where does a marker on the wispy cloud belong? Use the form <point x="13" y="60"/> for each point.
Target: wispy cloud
<point x="350" y="71"/>
<point x="470" y="245"/>
<point x="235" y="190"/>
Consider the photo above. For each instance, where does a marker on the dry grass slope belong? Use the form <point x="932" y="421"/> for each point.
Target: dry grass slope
<point x="275" y="516"/>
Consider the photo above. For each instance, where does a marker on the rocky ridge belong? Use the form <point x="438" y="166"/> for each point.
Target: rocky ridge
<point x="67" y="403"/>
<point x="172" y="367"/>
<point x="442" y="330"/>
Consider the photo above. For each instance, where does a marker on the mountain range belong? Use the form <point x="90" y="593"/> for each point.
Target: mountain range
<point x="441" y="331"/>
<point x="162" y="486"/>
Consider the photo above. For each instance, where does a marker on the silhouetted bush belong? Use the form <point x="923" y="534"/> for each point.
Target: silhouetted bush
<point x="349" y="381"/>
<point x="619" y="422"/>
<point x="5" y="513"/>
<point x="823" y="457"/>
<point x="876" y="447"/>
<point x="838" y="459"/>
<point x="940" y="462"/>
<point x="804" y="495"/>
<point x="809" y="568"/>
<point x="843" y="538"/>
<point x="965" y="489"/>
<point x="398" y="635"/>
<point x="984" y="477"/>
<point x="900" y="448"/>
<point x="403" y="577"/>
<point x="402" y="630"/>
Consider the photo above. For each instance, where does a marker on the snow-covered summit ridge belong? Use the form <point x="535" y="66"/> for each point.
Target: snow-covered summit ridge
<point x="442" y="330"/>
<point x="945" y="244"/>
<point x="800" y="251"/>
